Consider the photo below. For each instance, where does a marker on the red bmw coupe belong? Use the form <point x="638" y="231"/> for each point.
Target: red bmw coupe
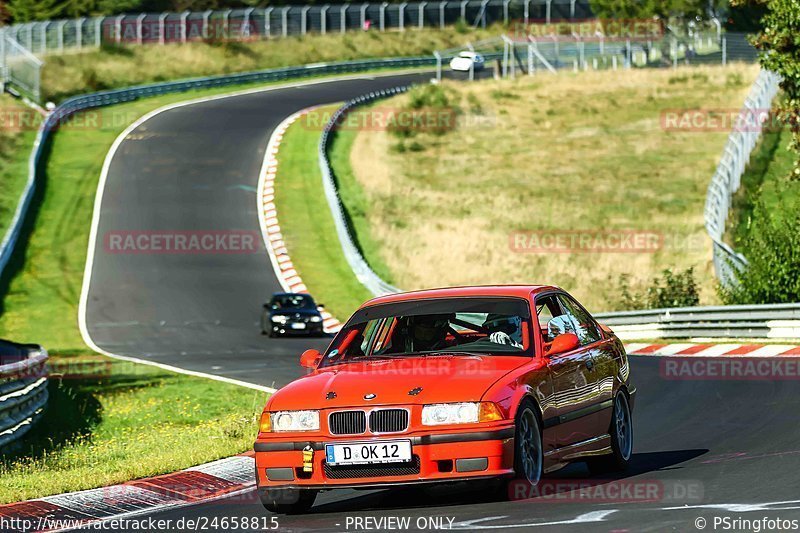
<point x="449" y="385"/>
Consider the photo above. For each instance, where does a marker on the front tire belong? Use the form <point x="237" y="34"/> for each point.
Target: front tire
<point x="528" y="454"/>
<point x="621" y="432"/>
<point x="287" y="501"/>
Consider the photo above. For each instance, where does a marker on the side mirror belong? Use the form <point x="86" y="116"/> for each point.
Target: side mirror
<point x="565" y="342"/>
<point x="310" y="359"/>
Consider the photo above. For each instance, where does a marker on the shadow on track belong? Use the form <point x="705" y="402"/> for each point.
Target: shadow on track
<point x="484" y="492"/>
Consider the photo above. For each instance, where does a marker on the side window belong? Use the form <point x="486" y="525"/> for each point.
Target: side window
<point x="552" y="320"/>
<point x="585" y="327"/>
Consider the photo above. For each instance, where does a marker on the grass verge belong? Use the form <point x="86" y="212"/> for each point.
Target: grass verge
<point x="583" y="152"/>
<point x="307" y="224"/>
<point x="116" y="66"/>
<point x="16" y="137"/>
<point x="42" y="284"/>
<point x="108" y="422"/>
<point x="112" y="428"/>
<point x="765" y="180"/>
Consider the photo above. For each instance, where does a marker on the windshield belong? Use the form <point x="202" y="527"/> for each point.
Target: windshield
<point x="457" y="326"/>
<point x="292" y="301"/>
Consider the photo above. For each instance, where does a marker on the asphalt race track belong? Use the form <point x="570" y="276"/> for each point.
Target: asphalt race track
<point x="703" y="448"/>
<point x="196" y="168"/>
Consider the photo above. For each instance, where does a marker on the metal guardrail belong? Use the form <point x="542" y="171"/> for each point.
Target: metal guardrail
<point x="727" y="178"/>
<point x="103" y="98"/>
<point x="23" y="388"/>
<point x="56" y="36"/>
<point x="358" y="264"/>
<point x="774" y="321"/>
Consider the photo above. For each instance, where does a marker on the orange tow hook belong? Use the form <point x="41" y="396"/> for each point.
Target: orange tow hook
<point x="308" y="459"/>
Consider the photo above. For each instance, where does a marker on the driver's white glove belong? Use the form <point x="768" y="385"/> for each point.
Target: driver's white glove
<point x="500" y="337"/>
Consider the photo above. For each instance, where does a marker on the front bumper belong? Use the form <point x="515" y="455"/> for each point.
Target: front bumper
<point x="310" y="328"/>
<point x="437" y="457"/>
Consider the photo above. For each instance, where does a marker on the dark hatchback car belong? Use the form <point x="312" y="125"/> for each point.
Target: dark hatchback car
<point x="291" y="314"/>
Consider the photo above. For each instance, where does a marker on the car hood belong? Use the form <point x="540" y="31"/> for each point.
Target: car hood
<point x="412" y="380"/>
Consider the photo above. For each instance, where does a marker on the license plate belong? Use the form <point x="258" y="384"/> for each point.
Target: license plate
<point x="360" y="453"/>
<point x="298" y="325"/>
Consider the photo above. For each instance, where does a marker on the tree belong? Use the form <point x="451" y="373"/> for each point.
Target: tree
<point x="27" y="10"/>
<point x="772" y="274"/>
<point x="779" y="50"/>
<point x="663" y="9"/>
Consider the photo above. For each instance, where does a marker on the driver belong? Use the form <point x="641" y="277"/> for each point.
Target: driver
<point x="427" y="332"/>
<point x="504" y="329"/>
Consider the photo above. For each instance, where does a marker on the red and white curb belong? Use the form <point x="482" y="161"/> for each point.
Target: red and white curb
<point x="713" y="350"/>
<point x="225" y="478"/>
<point x="282" y="264"/>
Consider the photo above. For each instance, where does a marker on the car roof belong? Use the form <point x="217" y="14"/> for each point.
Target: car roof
<point x="518" y="291"/>
<point x="277" y="294"/>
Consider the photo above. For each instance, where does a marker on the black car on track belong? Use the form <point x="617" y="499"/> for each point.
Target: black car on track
<point x="291" y="313"/>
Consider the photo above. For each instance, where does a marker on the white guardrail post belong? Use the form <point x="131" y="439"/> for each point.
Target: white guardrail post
<point x="23" y="389"/>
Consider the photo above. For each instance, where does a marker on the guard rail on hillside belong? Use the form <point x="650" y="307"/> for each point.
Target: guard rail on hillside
<point x="23" y="388"/>
<point x="775" y="321"/>
<point x="728" y="176"/>
<point x="358" y="264"/>
<point x="99" y="99"/>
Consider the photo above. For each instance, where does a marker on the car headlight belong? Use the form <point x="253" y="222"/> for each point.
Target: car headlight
<point x="460" y="413"/>
<point x="316" y="319"/>
<point x="294" y="420"/>
<point x="280" y="319"/>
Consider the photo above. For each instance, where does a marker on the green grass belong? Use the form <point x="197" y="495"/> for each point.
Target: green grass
<point x="765" y="180"/>
<point x="116" y="66"/>
<point x="307" y="223"/>
<point x="126" y="422"/>
<point x="581" y="152"/>
<point x="16" y="140"/>
<point x="42" y="287"/>
<point x="98" y="432"/>
<point x="355" y="201"/>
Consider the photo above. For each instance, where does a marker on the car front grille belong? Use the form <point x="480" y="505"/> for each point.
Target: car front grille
<point x="376" y="470"/>
<point x="388" y="420"/>
<point x="347" y="422"/>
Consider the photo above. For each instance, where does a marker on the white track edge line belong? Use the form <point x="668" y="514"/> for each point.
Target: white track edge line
<point x="91" y="248"/>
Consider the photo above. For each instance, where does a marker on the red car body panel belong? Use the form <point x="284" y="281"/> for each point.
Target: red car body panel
<point x="573" y="391"/>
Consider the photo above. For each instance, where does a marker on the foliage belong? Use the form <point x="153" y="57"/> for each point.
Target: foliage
<point x="779" y="46"/>
<point x="671" y="289"/>
<point x="773" y="254"/>
<point x="431" y="108"/>
<point x="663" y="9"/>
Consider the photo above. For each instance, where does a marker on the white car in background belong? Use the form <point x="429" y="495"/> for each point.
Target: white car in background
<point x="466" y="60"/>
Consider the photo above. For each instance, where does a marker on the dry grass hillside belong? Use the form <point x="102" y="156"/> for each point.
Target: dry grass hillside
<point x="119" y="66"/>
<point x="584" y="153"/>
